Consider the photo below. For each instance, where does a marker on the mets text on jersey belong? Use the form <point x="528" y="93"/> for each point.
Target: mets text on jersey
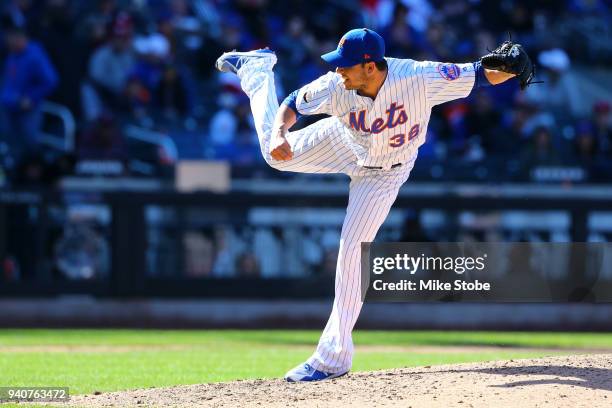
<point x="357" y="122"/>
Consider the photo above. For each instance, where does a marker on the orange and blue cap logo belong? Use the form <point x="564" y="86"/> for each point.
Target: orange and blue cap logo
<point x="341" y="43"/>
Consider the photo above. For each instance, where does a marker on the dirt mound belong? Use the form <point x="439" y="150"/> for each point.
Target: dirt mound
<point x="570" y="381"/>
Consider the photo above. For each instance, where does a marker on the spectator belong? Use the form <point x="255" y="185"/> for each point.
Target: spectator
<point x="558" y="93"/>
<point x="9" y="269"/>
<point x="541" y="150"/>
<point x="520" y="19"/>
<point x="603" y="127"/>
<point x="111" y="64"/>
<point x="55" y="31"/>
<point x="166" y="28"/>
<point x="153" y="53"/>
<point x="33" y="170"/>
<point x="92" y="41"/>
<point x="102" y="139"/>
<point x="182" y="30"/>
<point x="30" y="171"/>
<point x="244" y="150"/>
<point x="455" y="129"/>
<point x="439" y="43"/>
<point x="20" y="12"/>
<point x="586" y="146"/>
<point x="268" y="249"/>
<point x="229" y="39"/>
<point x="182" y="16"/>
<point x="412" y="229"/>
<point x="28" y="78"/>
<point x="229" y="244"/>
<point x="224" y="124"/>
<point x="401" y="39"/>
<point x="147" y="74"/>
<point x="170" y="94"/>
<point x="483" y="120"/>
<point x="297" y="46"/>
<point x="199" y="254"/>
<point x="138" y="99"/>
<point x="327" y="267"/>
<point x="247" y="266"/>
<point x="94" y="26"/>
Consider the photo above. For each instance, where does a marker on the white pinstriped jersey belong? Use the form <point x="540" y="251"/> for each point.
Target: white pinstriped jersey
<point x="361" y="132"/>
<point x="390" y="128"/>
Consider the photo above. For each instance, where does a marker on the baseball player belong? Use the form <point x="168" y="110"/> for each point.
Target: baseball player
<point x="379" y="109"/>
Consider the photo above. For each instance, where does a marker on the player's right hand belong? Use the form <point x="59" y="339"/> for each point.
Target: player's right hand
<point x="280" y="148"/>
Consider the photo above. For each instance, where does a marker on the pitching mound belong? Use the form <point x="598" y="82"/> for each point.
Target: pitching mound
<point x="571" y="381"/>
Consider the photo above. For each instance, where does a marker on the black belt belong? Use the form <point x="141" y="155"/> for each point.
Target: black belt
<point x="380" y="168"/>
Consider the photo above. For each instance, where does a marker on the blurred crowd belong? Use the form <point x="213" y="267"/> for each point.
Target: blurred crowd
<point x="276" y="248"/>
<point x="150" y="64"/>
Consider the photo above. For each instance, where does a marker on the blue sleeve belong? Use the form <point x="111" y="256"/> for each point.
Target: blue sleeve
<point x="481" y="79"/>
<point x="290" y="101"/>
<point x="10" y="92"/>
<point x="46" y="75"/>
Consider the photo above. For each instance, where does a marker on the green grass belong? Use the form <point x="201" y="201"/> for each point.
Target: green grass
<point x="166" y="358"/>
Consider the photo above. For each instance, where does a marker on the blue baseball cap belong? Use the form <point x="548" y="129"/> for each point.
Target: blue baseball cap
<point x="357" y="46"/>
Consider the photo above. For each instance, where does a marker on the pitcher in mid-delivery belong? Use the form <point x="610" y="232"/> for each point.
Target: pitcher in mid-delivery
<point x="379" y="109"/>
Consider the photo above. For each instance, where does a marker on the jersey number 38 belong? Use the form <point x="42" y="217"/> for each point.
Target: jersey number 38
<point x="399" y="139"/>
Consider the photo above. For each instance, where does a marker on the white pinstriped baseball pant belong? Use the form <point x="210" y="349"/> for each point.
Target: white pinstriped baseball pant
<point x="320" y="148"/>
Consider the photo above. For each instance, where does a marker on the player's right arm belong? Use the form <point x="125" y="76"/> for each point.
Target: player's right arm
<point x="285" y="118"/>
<point x="314" y="98"/>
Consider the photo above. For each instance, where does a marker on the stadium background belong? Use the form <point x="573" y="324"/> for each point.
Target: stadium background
<point x="144" y="180"/>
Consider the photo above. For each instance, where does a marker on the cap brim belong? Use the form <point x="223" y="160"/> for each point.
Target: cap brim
<point x="334" y="58"/>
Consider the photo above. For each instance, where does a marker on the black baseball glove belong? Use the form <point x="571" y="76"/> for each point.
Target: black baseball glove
<point x="511" y="58"/>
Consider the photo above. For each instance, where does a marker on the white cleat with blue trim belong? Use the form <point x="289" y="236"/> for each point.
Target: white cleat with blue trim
<point x="305" y="372"/>
<point x="233" y="60"/>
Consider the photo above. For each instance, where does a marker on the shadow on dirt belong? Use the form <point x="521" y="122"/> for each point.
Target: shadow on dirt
<point x="593" y="378"/>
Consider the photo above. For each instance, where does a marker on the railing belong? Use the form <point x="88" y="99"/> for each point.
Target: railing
<point x="65" y="141"/>
<point x="155" y="138"/>
<point x="128" y="225"/>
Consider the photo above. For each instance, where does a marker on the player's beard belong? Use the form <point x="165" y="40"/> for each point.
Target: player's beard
<point x="348" y="85"/>
<point x="354" y="83"/>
